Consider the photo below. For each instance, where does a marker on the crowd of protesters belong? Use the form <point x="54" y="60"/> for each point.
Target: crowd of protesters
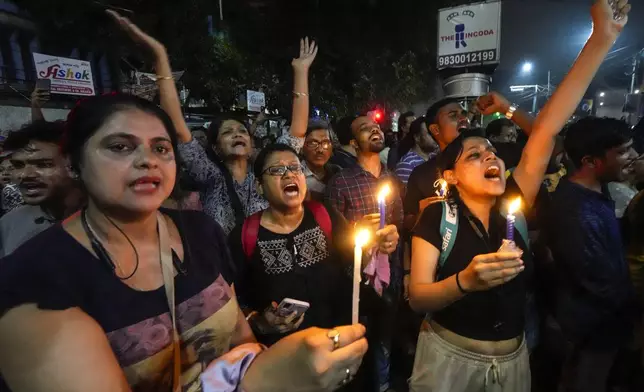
<point x="141" y="255"/>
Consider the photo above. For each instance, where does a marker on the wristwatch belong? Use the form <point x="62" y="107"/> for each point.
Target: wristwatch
<point x="510" y="113"/>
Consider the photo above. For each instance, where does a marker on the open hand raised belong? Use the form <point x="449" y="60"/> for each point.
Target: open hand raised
<point x="308" y="51"/>
<point x="136" y="34"/>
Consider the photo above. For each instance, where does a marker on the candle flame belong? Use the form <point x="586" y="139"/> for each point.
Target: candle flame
<point x="362" y="238"/>
<point x="384" y="192"/>
<point x="514" y="206"/>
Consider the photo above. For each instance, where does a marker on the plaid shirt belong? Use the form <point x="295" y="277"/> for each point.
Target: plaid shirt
<point x="353" y="193"/>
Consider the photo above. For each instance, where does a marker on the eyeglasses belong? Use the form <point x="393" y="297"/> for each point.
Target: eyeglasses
<point x="314" y="144"/>
<point x="279" y="171"/>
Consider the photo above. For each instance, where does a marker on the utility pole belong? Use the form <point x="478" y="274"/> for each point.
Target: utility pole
<point x="634" y="75"/>
<point x="221" y="10"/>
<point x="548" y="96"/>
<point x="534" y="100"/>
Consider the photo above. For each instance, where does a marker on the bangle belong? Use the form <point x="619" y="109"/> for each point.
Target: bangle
<point x="297" y="95"/>
<point x="458" y="283"/>
<point x="160" y="77"/>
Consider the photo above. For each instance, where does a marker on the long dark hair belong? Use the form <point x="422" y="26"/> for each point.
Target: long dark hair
<point x="212" y="134"/>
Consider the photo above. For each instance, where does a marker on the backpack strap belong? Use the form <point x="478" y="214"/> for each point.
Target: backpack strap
<point x="322" y="217"/>
<point x="448" y="231"/>
<point x="250" y="228"/>
<point x="250" y="231"/>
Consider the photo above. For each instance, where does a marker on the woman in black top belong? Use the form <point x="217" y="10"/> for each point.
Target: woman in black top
<point x="475" y="338"/>
<point x="85" y="305"/>
<point x="292" y="256"/>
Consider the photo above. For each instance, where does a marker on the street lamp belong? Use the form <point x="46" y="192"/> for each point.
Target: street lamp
<point x="526" y="68"/>
<point x="602" y="94"/>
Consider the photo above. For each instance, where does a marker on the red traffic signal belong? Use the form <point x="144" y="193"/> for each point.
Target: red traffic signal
<point x="377" y="115"/>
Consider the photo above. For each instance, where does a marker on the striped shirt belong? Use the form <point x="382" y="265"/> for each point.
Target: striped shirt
<point x="407" y="164"/>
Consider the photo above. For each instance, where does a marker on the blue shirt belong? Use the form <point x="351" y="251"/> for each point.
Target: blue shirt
<point x="407" y="164"/>
<point x="595" y="296"/>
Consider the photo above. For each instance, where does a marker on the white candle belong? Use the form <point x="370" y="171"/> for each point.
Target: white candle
<point x="362" y="237"/>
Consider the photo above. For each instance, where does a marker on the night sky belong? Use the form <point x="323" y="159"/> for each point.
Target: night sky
<point x="550" y="34"/>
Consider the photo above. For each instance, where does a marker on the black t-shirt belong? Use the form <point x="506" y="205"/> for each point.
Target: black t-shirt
<point x="492" y="315"/>
<point x="420" y="185"/>
<point x="56" y="272"/>
<point x="298" y="265"/>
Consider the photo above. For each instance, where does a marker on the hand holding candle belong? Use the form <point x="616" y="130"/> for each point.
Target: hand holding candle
<point x="512" y="209"/>
<point x="382" y="196"/>
<point x="361" y="239"/>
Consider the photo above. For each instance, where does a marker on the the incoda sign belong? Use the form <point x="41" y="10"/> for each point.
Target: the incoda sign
<point x="469" y="35"/>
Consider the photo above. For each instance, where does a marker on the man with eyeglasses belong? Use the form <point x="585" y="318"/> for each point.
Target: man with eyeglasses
<point x="316" y="152"/>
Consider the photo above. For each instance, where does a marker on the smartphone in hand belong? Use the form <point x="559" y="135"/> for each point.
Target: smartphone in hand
<point x="289" y="305"/>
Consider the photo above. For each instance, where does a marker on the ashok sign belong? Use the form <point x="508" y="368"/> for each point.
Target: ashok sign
<point x="469" y="35"/>
<point x="68" y="76"/>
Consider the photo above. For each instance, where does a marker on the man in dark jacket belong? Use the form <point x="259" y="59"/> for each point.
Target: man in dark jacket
<point x="594" y="298"/>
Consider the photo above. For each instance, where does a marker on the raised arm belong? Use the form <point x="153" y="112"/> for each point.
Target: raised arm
<point x="301" y="66"/>
<point x="554" y="115"/>
<point x="56" y="351"/>
<point x="38" y="98"/>
<point x="497" y="103"/>
<point x="167" y="88"/>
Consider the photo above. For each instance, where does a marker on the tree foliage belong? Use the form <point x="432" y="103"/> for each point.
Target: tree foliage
<point x="373" y="52"/>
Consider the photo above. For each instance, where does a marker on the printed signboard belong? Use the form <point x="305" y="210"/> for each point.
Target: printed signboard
<point x="255" y="100"/>
<point x="469" y="35"/>
<point x="68" y="76"/>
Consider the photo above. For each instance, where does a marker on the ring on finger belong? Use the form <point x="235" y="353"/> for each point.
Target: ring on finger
<point x="334" y="335"/>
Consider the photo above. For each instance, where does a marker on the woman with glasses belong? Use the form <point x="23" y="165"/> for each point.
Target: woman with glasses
<point x="317" y="151"/>
<point x="291" y="254"/>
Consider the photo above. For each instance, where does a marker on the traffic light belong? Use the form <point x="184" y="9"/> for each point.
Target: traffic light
<point x="377" y="115"/>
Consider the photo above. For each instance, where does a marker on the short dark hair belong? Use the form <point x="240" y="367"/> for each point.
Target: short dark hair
<point x="316" y="126"/>
<point x="408" y="142"/>
<point x="403" y="117"/>
<point x="495" y="127"/>
<point x="593" y="136"/>
<point x="265" y="153"/>
<point x="42" y="131"/>
<point x="432" y="112"/>
<point x="343" y="129"/>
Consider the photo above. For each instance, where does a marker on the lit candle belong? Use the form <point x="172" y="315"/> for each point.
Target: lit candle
<point x="382" y="195"/>
<point x="362" y="237"/>
<point x="512" y="209"/>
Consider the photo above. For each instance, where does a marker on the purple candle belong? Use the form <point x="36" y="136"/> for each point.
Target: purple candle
<point x="512" y="209"/>
<point x="382" y="195"/>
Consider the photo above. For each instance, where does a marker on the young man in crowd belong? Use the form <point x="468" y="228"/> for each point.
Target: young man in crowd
<point x="352" y="194"/>
<point x="404" y="125"/>
<point x="317" y="151"/>
<point x="445" y="120"/>
<point x="594" y="299"/>
<point x="345" y="155"/>
<point x="423" y="147"/>
<point x="41" y="173"/>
